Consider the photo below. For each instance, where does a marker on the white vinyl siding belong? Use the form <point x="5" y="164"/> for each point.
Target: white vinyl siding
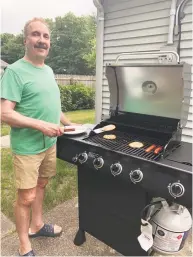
<point x="136" y="25"/>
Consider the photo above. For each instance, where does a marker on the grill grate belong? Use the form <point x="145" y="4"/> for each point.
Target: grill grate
<point x="122" y="141"/>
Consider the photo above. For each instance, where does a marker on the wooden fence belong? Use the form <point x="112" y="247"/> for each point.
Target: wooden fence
<point x="62" y="79"/>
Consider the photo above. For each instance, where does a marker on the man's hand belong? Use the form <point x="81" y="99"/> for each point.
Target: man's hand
<point x="50" y="129"/>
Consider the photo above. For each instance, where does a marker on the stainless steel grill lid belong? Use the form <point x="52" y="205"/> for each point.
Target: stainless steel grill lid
<point x="155" y="89"/>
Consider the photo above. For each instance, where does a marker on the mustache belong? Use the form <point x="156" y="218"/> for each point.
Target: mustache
<point x="40" y="45"/>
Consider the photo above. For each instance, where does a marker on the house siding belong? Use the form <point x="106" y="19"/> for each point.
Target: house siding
<point x="135" y="25"/>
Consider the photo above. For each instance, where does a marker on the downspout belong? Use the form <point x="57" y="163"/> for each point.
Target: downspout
<point x="99" y="59"/>
<point x="172" y="22"/>
<point x="178" y="15"/>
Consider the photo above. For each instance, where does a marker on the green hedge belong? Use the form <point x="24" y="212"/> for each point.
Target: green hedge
<point x="76" y="97"/>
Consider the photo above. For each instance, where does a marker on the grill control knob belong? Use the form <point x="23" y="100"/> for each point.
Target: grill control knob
<point x="136" y="176"/>
<point x="176" y="189"/>
<point x="75" y="158"/>
<point x="98" y="163"/>
<point x="116" y="169"/>
<point x="82" y="158"/>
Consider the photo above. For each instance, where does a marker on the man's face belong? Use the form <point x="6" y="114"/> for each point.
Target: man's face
<point x="37" y="41"/>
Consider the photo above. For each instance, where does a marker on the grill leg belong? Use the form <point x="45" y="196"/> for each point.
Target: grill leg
<point x="80" y="237"/>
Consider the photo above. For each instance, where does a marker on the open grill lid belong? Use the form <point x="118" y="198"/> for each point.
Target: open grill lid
<point x="154" y="90"/>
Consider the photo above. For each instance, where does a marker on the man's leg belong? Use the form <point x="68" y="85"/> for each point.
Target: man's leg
<point x="22" y="214"/>
<point x="47" y="170"/>
<point x="26" y="174"/>
<point x="37" y="209"/>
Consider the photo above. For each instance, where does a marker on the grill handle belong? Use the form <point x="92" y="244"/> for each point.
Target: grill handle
<point x="149" y="52"/>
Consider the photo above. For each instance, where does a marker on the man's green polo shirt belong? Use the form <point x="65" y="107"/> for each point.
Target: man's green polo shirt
<point x="37" y="95"/>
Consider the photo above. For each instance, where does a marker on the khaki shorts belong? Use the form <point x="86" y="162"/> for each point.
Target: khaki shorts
<point x="29" y="167"/>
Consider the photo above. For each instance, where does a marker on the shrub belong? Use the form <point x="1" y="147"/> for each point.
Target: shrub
<point x="76" y="97"/>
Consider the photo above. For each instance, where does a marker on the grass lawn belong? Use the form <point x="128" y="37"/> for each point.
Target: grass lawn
<point x="5" y="129"/>
<point x="60" y="188"/>
<point x="83" y="116"/>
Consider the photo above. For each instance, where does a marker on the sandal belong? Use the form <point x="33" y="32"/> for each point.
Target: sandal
<point x="30" y="253"/>
<point x="47" y="230"/>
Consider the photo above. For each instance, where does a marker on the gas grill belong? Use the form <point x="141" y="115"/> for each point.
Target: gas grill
<point x="115" y="180"/>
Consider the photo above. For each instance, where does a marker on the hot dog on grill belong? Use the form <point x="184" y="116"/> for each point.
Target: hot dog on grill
<point x="158" y="150"/>
<point x="150" y="148"/>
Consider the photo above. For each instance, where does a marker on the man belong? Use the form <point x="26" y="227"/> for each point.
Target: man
<point x="30" y="104"/>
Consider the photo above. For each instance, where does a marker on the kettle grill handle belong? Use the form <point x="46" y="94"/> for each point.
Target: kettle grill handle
<point x="149" y="52"/>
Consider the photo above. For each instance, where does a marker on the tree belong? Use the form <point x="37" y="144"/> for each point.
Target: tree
<point x="12" y="47"/>
<point x="70" y="42"/>
<point x="90" y="54"/>
<point x="90" y="57"/>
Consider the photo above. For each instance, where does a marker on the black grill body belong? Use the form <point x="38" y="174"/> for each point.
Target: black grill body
<point x="110" y="206"/>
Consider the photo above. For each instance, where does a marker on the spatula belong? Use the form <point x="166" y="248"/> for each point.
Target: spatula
<point x="104" y="129"/>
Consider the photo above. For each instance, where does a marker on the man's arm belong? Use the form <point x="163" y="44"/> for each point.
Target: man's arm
<point x="64" y="120"/>
<point x="15" y="119"/>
